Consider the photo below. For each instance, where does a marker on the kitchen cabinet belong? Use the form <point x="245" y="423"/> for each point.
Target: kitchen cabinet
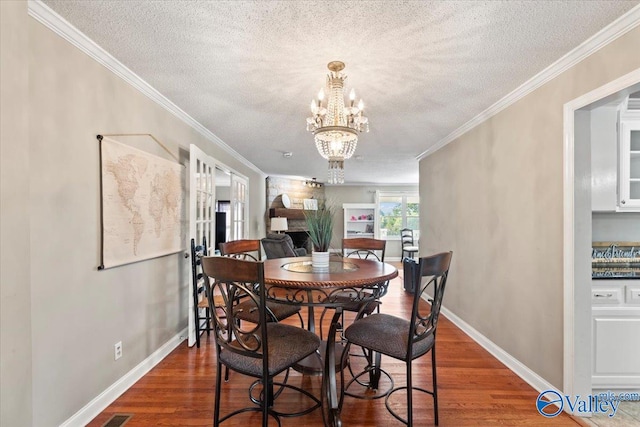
<point x="360" y="220"/>
<point x="604" y="158"/>
<point x="629" y="164"/>
<point x="616" y="334"/>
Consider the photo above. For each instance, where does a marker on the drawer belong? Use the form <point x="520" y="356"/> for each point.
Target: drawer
<point x="633" y="294"/>
<point x="608" y="295"/>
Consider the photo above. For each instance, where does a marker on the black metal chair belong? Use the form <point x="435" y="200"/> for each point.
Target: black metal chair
<point x="371" y="249"/>
<point x="361" y="248"/>
<point x="202" y="315"/>
<point x="249" y="249"/>
<point x="262" y="350"/>
<point x="408" y="339"/>
<point x="408" y="245"/>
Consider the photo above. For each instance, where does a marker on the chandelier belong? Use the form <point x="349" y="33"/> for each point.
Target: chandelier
<point x="334" y="125"/>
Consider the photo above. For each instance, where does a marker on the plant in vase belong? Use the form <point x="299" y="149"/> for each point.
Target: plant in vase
<point x="320" y="230"/>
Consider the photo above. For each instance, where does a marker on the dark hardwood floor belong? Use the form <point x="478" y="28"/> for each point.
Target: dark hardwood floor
<point x="474" y="388"/>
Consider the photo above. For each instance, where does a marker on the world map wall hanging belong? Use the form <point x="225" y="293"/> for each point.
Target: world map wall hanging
<point x="142" y="204"/>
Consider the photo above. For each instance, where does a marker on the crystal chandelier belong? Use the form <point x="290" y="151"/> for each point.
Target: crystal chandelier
<point x="335" y="125"/>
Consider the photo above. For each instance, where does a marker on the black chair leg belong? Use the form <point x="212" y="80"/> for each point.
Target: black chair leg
<point x="208" y="316"/>
<point x="409" y="396"/>
<point x="435" y="384"/>
<point x="197" y="324"/>
<point x="216" y="415"/>
<point x="375" y="359"/>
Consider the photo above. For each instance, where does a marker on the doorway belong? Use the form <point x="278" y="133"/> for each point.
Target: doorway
<point x="214" y="188"/>
<point x="577" y="232"/>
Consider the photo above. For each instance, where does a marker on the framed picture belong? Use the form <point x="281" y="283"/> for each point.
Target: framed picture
<point x="310" y="204"/>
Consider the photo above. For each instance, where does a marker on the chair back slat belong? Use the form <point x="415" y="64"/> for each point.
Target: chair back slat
<point x="236" y="280"/>
<point x="364" y="248"/>
<point x="424" y="317"/>
<point x="246" y="249"/>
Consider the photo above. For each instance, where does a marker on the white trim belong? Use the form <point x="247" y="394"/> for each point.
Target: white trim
<point x="64" y="29"/>
<point x="577" y="348"/>
<point x="568" y="179"/>
<point x="530" y="377"/>
<point x="104" y="399"/>
<point x="617" y="28"/>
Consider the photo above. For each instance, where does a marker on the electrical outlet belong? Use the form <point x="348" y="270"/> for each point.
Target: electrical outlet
<point x="117" y="348"/>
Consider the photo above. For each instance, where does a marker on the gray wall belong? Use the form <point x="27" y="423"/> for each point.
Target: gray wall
<point x="15" y="260"/>
<point x="340" y="194"/>
<point x="495" y="197"/>
<point x="63" y="317"/>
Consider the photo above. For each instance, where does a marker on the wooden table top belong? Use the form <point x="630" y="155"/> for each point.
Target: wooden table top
<point x="295" y="272"/>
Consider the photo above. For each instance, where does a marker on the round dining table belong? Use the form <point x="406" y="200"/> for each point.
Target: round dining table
<point x="346" y="281"/>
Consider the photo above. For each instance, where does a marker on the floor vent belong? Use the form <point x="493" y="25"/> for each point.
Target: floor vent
<point x="118" y="420"/>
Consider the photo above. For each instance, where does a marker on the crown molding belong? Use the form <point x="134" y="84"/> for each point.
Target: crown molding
<point x="617" y="28"/>
<point x="45" y="15"/>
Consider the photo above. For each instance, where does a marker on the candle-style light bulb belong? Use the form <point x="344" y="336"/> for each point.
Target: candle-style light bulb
<point x="352" y="97"/>
<point x="321" y="95"/>
<point x="314" y="107"/>
<point x="361" y="105"/>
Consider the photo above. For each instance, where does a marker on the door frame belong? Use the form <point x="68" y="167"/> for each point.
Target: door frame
<point x="577" y="334"/>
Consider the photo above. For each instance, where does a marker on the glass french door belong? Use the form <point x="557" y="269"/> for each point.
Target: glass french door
<point x="201" y="214"/>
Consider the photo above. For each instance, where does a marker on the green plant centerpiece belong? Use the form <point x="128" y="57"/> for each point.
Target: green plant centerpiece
<point x="320" y="230"/>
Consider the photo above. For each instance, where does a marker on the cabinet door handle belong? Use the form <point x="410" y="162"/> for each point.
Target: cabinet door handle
<point x="609" y="295"/>
<point x="622" y="201"/>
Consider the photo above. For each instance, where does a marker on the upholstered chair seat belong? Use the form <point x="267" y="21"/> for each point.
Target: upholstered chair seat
<point x="276" y="311"/>
<point x="367" y="333"/>
<point x="287" y="345"/>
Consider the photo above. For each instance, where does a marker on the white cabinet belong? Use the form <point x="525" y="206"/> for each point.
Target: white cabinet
<point x="629" y="165"/>
<point x="616" y="346"/>
<point x="360" y="220"/>
<point x="615" y="334"/>
<point x="604" y="158"/>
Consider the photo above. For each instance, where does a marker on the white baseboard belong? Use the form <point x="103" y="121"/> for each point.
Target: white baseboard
<point x="530" y="377"/>
<point x="104" y="399"/>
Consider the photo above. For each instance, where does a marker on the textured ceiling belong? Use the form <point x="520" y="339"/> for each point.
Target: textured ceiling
<point x="247" y="70"/>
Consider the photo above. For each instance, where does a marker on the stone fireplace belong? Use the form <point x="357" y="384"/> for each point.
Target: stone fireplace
<point x="297" y="192"/>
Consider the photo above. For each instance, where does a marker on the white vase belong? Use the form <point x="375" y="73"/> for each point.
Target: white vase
<point x="320" y="260"/>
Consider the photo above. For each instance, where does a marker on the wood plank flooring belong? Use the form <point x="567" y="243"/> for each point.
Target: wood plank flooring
<point x="474" y="388"/>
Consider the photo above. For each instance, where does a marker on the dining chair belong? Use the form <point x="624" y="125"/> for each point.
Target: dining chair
<point x="408" y="245"/>
<point x="263" y="350"/>
<point x="361" y="248"/>
<point x="245" y="249"/>
<point x="368" y="249"/>
<point x="202" y="315"/>
<point x="249" y="249"/>
<point x="408" y="339"/>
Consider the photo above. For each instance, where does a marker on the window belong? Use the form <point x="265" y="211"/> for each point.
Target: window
<point x="397" y="211"/>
